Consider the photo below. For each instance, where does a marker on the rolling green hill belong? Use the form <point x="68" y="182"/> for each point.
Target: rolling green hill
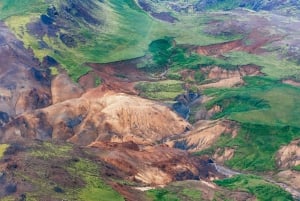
<point x="123" y="32"/>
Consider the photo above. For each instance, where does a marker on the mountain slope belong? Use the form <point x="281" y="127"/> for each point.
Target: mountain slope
<point x="222" y="79"/>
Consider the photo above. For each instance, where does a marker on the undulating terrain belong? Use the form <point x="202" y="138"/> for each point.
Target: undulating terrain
<point x="149" y="100"/>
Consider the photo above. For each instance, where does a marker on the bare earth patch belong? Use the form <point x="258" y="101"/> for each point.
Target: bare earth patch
<point x="291" y="82"/>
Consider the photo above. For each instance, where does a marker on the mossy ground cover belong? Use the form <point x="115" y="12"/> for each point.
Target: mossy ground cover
<point x="237" y="103"/>
<point x="190" y="191"/>
<point x="62" y="172"/>
<point x="262" y="190"/>
<point x="175" y="192"/>
<point x="256" y="146"/>
<point x="95" y="189"/>
<point x="20" y="7"/>
<point x="125" y="33"/>
<point x="296" y="168"/>
<point x="272" y="65"/>
<point x="165" y="54"/>
<point x="161" y="90"/>
<point x="275" y="102"/>
<point x="268" y="118"/>
<point x="3" y="148"/>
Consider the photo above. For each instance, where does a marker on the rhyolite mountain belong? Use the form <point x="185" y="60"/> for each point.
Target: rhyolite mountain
<point x="149" y="100"/>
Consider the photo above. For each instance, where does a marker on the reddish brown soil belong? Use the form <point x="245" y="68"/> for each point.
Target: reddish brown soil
<point x="154" y="165"/>
<point x="291" y="82"/>
<point x="218" y="49"/>
<point x="253" y="43"/>
<point x="117" y="76"/>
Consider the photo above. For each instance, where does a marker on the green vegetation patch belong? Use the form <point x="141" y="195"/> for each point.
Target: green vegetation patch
<point x="175" y="192"/>
<point x="161" y="90"/>
<point x="164" y="54"/>
<point x="263" y="191"/>
<point x="268" y="118"/>
<point x="274" y="102"/>
<point x="296" y="168"/>
<point x="274" y="67"/>
<point x="3" y="148"/>
<point x="162" y="195"/>
<point x="60" y="172"/>
<point x="54" y="71"/>
<point x="95" y="189"/>
<point x="257" y="145"/>
<point x="192" y="194"/>
<point x="20" y="7"/>
<point x="237" y="103"/>
<point x="124" y="33"/>
<point x="48" y="150"/>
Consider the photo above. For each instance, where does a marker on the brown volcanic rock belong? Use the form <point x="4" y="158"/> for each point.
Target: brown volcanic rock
<point x="218" y="49"/>
<point x="204" y="135"/>
<point x="119" y="76"/>
<point x="291" y="82"/>
<point x="216" y="73"/>
<point x="99" y="116"/>
<point x="292" y="178"/>
<point x="228" y="78"/>
<point x="289" y="155"/>
<point x="253" y="43"/>
<point x="23" y="85"/>
<point x="154" y="165"/>
<point x="63" y="88"/>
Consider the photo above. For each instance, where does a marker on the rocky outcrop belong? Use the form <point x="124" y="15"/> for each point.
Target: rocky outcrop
<point x="222" y="155"/>
<point x="99" y="116"/>
<point x="224" y="83"/>
<point x="183" y="103"/>
<point x="291" y="82"/>
<point x="154" y="165"/>
<point x="289" y="155"/>
<point x="63" y="88"/>
<point x="228" y="78"/>
<point x="217" y="73"/>
<point x="24" y="85"/>
<point x="204" y="134"/>
<point x="291" y="178"/>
